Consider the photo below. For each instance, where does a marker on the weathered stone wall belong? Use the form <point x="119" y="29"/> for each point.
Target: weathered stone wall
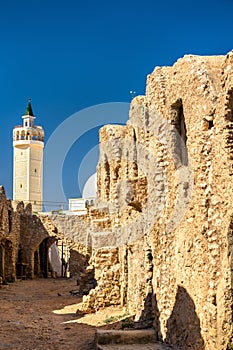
<point x="9" y="238"/>
<point x="161" y="234"/>
<point x="25" y="240"/>
<point x="171" y="206"/>
<point x="74" y="227"/>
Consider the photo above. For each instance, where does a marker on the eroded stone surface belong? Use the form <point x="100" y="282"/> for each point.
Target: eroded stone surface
<point x="160" y="236"/>
<point x="171" y="208"/>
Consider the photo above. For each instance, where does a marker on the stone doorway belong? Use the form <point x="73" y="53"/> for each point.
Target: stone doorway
<point x="43" y="258"/>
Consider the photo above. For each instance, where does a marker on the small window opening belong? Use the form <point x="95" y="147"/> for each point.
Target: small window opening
<point x="210" y="124"/>
<point x="180" y="138"/>
<point x="21" y="186"/>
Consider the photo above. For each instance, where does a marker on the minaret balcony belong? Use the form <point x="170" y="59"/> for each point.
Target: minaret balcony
<point x="21" y="142"/>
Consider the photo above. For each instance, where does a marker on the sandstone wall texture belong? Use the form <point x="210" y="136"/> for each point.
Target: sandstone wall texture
<point x="9" y="238"/>
<point x="162" y="228"/>
<point x="159" y="240"/>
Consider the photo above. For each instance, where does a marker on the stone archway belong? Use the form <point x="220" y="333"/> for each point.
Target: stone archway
<point x="40" y="258"/>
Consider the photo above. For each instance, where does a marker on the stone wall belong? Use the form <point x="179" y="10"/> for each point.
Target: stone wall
<point x="74" y="227"/>
<point x="162" y="236"/>
<point x="9" y="238"/>
<point x="25" y="240"/>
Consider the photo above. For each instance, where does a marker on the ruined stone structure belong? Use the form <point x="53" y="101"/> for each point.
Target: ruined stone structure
<point x="9" y="238"/>
<point x="28" y="143"/>
<point x="161" y="230"/>
<point x="160" y="236"/>
<point x="25" y="240"/>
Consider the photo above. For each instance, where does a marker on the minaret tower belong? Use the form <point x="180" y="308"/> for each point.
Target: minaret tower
<point x="28" y="143"/>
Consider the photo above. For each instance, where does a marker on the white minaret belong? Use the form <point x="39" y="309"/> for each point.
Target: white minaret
<point x="28" y="143"/>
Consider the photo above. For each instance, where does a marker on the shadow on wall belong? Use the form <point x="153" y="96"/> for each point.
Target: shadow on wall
<point x="183" y="326"/>
<point x="150" y="315"/>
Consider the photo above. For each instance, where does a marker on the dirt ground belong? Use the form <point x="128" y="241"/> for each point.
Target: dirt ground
<point x="40" y="314"/>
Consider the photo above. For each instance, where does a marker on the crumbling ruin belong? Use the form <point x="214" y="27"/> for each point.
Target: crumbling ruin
<point x="160" y="237"/>
<point x="25" y="240"/>
<point x="161" y="230"/>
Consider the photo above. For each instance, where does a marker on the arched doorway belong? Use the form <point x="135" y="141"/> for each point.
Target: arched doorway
<point x="43" y="257"/>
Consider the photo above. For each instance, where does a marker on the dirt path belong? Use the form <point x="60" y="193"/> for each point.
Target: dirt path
<point x="27" y="320"/>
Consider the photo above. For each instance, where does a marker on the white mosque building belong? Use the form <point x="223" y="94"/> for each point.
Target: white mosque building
<point x="28" y="145"/>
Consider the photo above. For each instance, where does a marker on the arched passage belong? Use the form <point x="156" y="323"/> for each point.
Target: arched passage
<point x="40" y="258"/>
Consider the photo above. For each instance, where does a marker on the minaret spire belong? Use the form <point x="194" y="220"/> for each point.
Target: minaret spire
<point x="29" y="108"/>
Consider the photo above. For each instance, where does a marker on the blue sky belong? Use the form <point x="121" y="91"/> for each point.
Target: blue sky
<point x="70" y="55"/>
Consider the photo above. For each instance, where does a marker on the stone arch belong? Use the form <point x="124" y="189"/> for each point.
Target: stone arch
<point x="22" y="135"/>
<point x="34" y="135"/>
<point x="40" y="134"/>
<point x="16" y="135"/>
<point x="28" y="135"/>
<point x="40" y="257"/>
